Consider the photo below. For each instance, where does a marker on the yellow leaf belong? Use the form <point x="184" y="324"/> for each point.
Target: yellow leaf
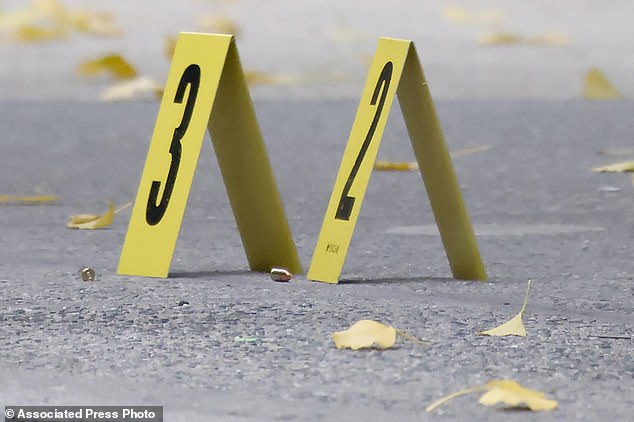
<point x="114" y="64"/>
<point x="513" y="327"/>
<point x="623" y="167"/>
<point x="365" y="334"/>
<point x="15" y="18"/>
<point x="500" y="38"/>
<point x="596" y="86"/>
<point x="27" y="200"/>
<point x="470" y="150"/>
<point x="381" y="165"/>
<point x="129" y="90"/>
<point x="262" y="78"/>
<point x="31" y="33"/>
<point x="91" y="221"/>
<point x="457" y="14"/>
<point x="508" y="392"/>
<point x="395" y="166"/>
<point x="98" y="23"/>
<point x="513" y="394"/>
<point x="551" y="39"/>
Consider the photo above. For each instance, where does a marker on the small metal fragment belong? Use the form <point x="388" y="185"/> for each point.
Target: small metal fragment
<point x="87" y="274"/>
<point x="281" y="275"/>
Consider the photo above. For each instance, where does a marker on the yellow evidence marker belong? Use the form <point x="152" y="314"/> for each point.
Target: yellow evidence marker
<point x="396" y="69"/>
<point x="206" y="88"/>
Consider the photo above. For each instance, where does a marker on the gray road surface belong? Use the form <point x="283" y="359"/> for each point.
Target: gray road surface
<point x="539" y="211"/>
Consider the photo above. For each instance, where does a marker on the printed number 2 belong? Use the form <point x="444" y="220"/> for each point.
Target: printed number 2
<point x="156" y="210"/>
<point x="346" y="203"/>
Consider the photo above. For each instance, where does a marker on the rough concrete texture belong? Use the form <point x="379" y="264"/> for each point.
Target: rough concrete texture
<point x="541" y="213"/>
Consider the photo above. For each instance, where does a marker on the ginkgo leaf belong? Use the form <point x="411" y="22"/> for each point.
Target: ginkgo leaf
<point x="15" y="18"/>
<point x="31" y="33"/>
<point x="114" y="64"/>
<point x="128" y="90"/>
<point x="380" y="165"/>
<point x="623" y="167"/>
<point x="470" y="150"/>
<point x="513" y="394"/>
<point x="97" y="23"/>
<point x="368" y="334"/>
<point x="513" y="327"/>
<point x="254" y="77"/>
<point x="27" y="199"/>
<point x="596" y="86"/>
<point x="365" y="334"/>
<point x="509" y="392"/>
<point x="92" y="221"/>
<point x="49" y="19"/>
<point x="458" y="14"/>
<point x="552" y="39"/>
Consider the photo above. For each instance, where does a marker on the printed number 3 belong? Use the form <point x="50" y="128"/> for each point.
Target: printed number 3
<point x="156" y="210"/>
<point x="346" y="203"/>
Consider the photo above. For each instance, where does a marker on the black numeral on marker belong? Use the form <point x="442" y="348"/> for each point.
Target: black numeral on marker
<point x="346" y="203"/>
<point x="156" y="210"/>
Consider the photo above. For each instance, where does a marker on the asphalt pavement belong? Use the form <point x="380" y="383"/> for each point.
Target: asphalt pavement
<point x="217" y="342"/>
<point x="539" y="212"/>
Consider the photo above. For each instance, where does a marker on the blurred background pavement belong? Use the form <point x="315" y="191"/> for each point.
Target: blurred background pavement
<point x="491" y="49"/>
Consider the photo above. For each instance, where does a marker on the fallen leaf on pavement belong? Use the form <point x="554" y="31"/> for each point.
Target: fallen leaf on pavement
<point x="45" y="20"/>
<point x="365" y="334"/>
<point x="254" y="77"/>
<point x="596" y="86"/>
<point x="32" y="33"/>
<point x="623" y="167"/>
<point x="114" y="64"/>
<point x="470" y="150"/>
<point x="92" y="221"/>
<point x="128" y="90"/>
<point x="27" y="199"/>
<point x="14" y="18"/>
<point x="513" y="327"/>
<point x="97" y="23"/>
<point x="514" y="395"/>
<point x="368" y="334"/>
<point x="460" y="15"/>
<point x="380" y="165"/>
<point x="552" y="39"/>
<point x="508" y="392"/>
